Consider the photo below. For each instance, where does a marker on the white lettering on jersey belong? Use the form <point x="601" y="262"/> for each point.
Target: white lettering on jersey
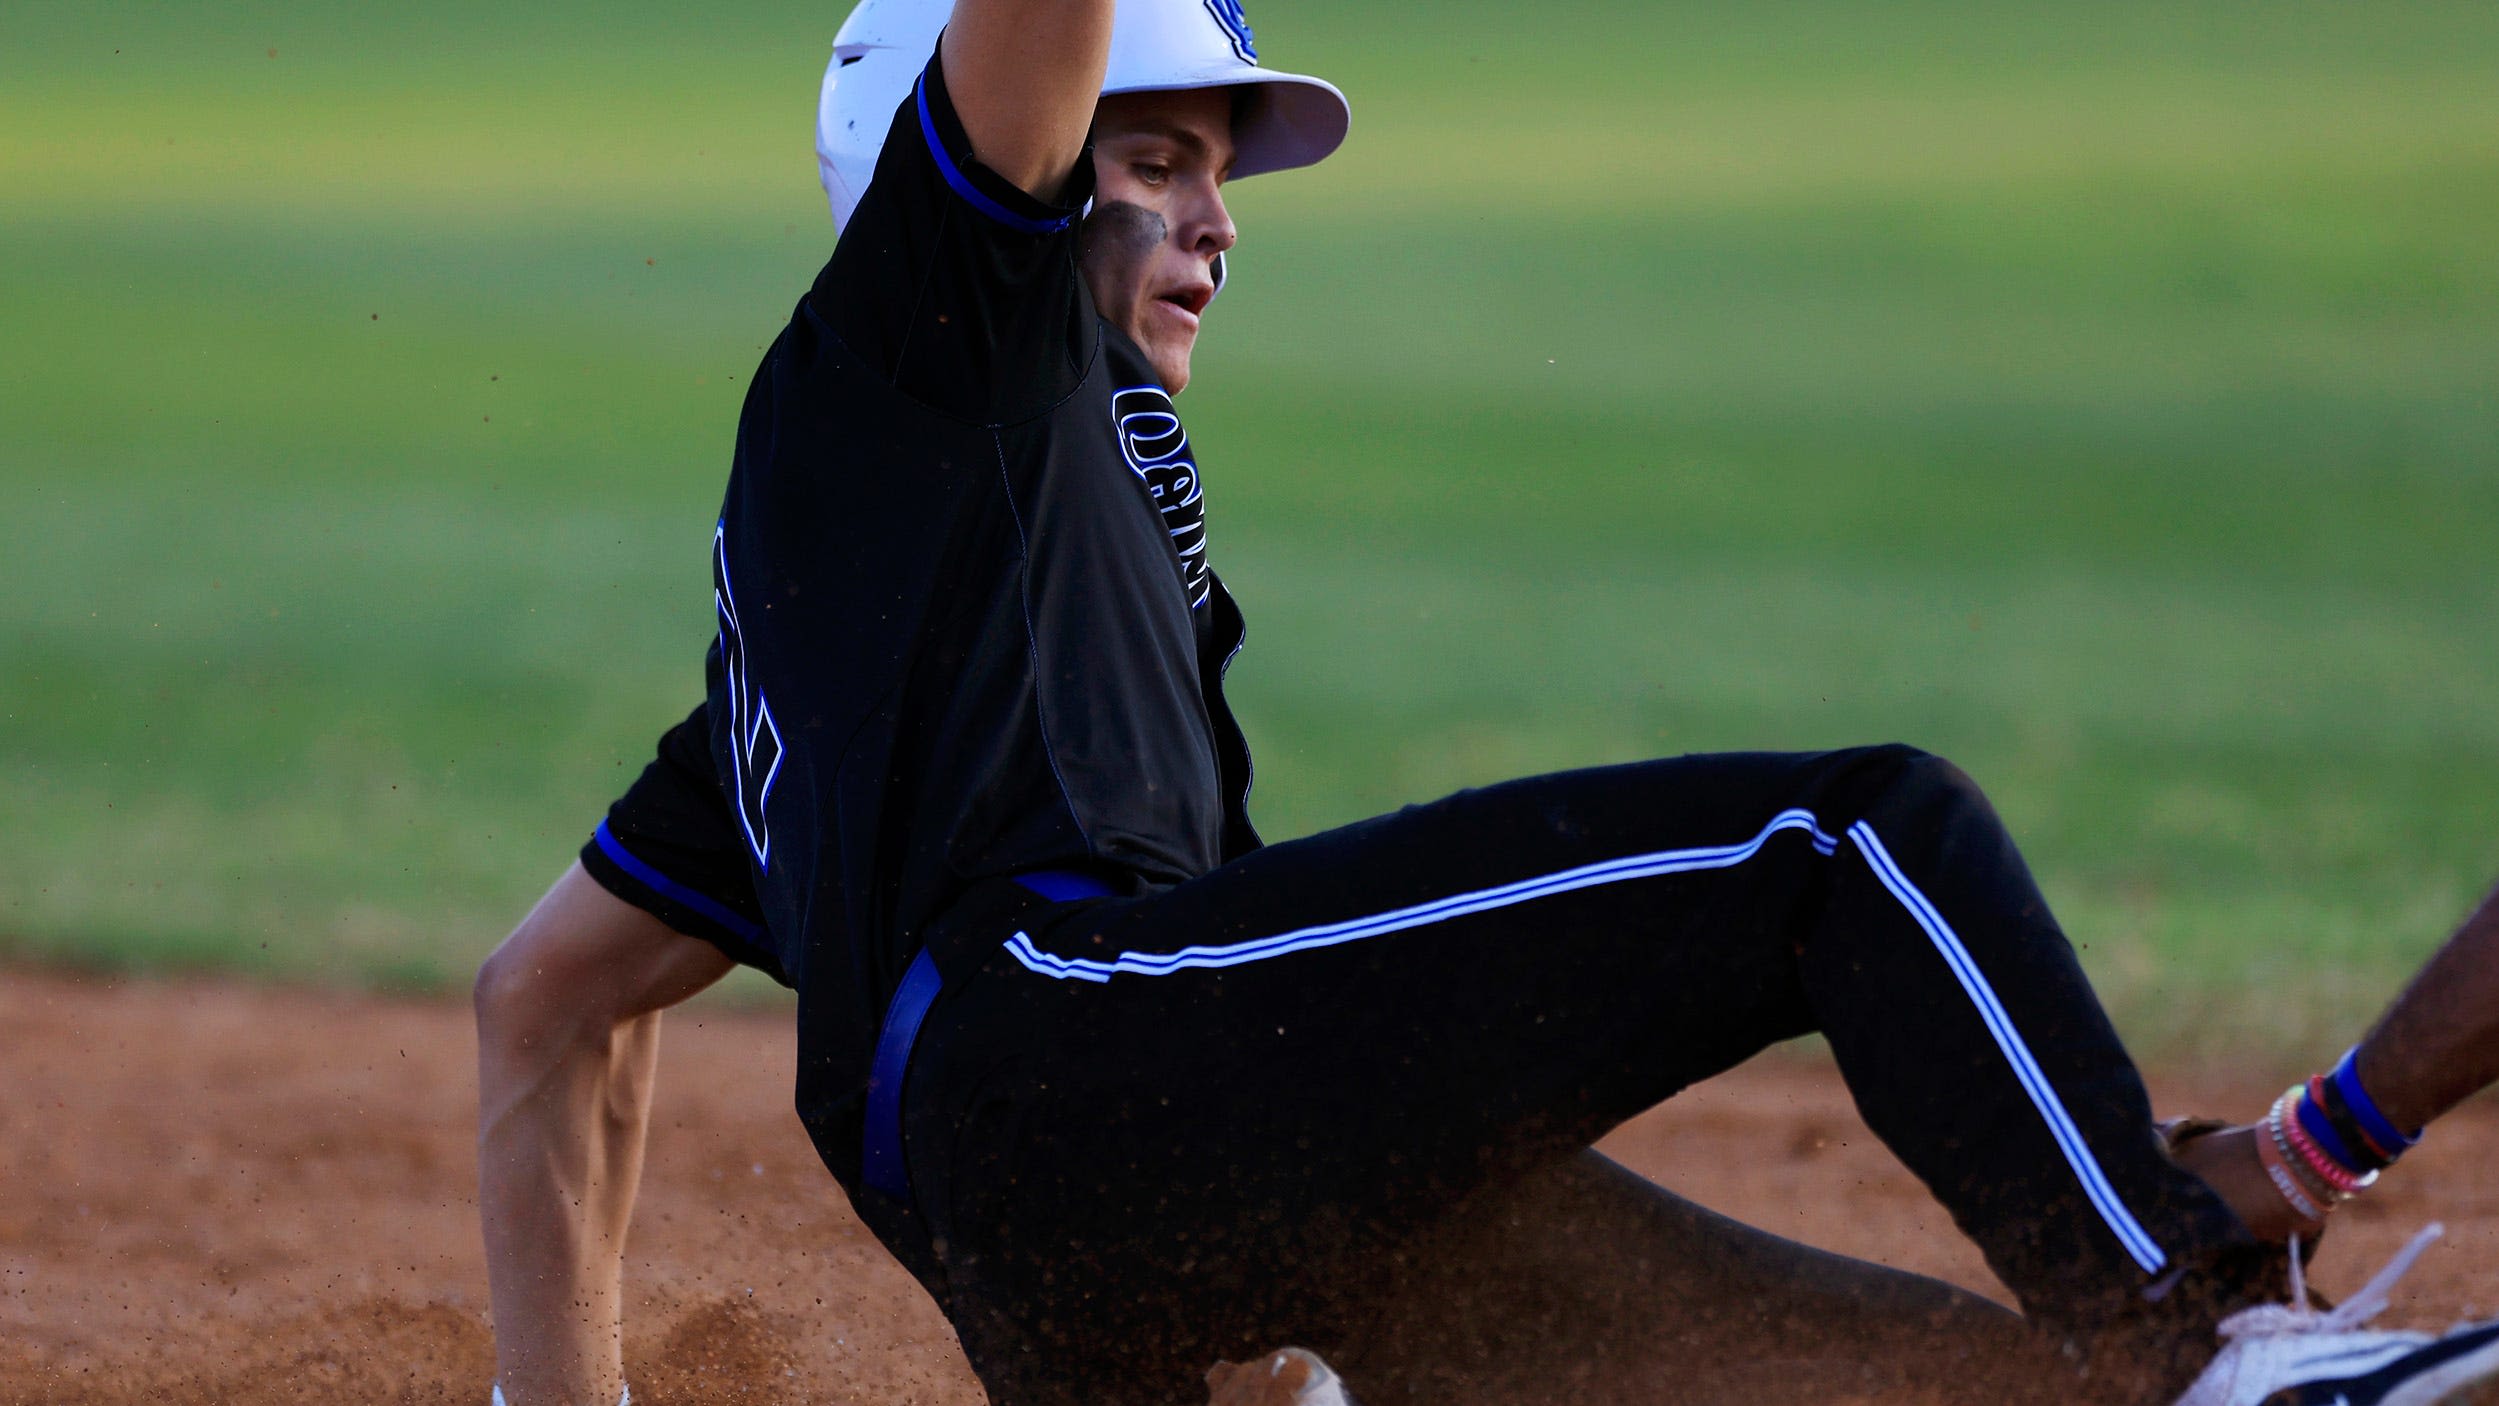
<point x="1157" y="449"/>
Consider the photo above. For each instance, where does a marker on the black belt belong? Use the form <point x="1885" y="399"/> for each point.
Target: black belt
<point x="880" y="1162"/>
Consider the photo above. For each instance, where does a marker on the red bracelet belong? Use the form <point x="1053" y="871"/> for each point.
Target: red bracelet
<point x="2345" y="1184"/>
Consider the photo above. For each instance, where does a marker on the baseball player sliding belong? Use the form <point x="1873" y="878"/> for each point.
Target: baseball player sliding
<point x="1130" y="1093"/>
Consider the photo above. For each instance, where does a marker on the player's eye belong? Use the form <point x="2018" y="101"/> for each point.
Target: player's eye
<point x="1152" y="173"/>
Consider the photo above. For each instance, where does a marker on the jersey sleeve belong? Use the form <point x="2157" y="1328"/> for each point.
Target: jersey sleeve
<point x="960" y="289"/>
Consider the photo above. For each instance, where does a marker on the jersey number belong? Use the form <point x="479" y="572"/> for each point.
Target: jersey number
<point x="754" y="743"/>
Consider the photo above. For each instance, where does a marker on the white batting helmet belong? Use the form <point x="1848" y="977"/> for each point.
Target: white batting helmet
<point x="1155" y="45"/>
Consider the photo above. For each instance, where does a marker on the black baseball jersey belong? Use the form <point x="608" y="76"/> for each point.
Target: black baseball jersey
<point x="967" y="625"/>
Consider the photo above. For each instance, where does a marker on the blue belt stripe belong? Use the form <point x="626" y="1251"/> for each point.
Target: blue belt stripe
<point x="880" y="1152"/>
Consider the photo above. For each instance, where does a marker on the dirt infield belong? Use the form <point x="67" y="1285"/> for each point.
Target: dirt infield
<point x="218" y="1193"/>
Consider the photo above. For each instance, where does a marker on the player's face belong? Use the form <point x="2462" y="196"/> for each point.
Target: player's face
<point x="1160" y="161"/>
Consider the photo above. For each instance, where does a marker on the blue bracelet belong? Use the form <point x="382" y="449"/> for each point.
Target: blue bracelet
<point x="2377" y="1125"/>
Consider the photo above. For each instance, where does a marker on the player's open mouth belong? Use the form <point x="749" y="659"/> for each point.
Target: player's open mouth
<point x="1191" y="300"/>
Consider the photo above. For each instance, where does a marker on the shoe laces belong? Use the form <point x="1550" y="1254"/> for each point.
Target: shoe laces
<point x="2274" y="1319"/>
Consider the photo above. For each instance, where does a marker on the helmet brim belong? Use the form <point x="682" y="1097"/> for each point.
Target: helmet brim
<point x="1294" y="120"/>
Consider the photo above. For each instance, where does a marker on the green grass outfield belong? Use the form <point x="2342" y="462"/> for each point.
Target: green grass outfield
<point x="2108" y="399"/>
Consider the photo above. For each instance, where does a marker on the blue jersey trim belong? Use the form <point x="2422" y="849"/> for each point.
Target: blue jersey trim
<point x="739" y="925"/>
<point x="962" y="182"/>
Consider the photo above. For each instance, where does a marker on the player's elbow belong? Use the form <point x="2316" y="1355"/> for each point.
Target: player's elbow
<point x="523" y="997"/>
<point x="505" y="991"/>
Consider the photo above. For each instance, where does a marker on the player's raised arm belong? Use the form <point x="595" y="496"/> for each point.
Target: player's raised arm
<point x="1024" y="75"/>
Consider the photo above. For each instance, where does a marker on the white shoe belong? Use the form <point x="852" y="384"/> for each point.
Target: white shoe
<point x="2292" y="1355"/>
<point x="1291" y="1377"/>
<point x="497" y="1400"/>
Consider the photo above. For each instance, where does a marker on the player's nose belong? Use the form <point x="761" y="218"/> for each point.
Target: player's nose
<point x="1208" y="230"/>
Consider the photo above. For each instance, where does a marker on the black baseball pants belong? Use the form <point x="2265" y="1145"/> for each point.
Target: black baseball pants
<point x="1150" y="1132"/>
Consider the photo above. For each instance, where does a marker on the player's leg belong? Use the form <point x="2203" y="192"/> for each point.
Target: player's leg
<point x="1305" y="1054"/>
<point x="568" y="1021"/>
<point x="1584" y="1282"/>
<point x="658" y="907"/>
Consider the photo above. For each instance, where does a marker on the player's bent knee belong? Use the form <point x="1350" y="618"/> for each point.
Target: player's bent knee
<point x="1929" y="774"/>
<point x="1903" y="767"/>
<point x="1898" y="781"/>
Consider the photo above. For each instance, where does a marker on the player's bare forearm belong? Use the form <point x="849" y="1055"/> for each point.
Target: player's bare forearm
<point x="2438" y="1044"/>
<point x="560" y="1141"/>
<point x="1024" y="75"/>
<point x="2435" y="1047"/>
<point x="568" y="1042"/>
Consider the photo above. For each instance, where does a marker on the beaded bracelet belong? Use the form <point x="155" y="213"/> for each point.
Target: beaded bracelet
<point x="2283" y="1181"/>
